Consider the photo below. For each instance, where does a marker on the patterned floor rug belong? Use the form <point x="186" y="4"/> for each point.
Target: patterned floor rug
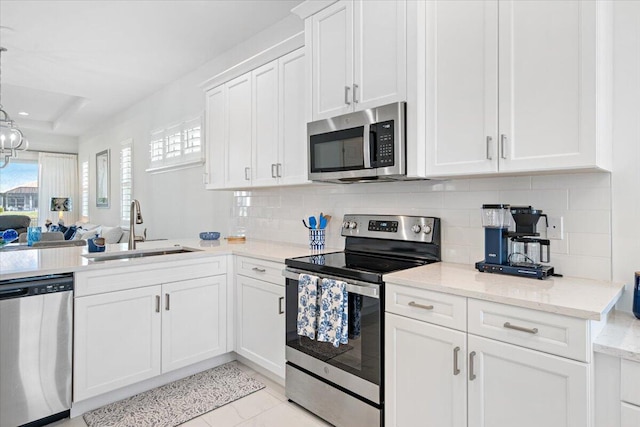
<point x="177" y="402"/>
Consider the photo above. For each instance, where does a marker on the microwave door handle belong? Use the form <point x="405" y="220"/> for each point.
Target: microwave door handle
<point x="366" y="149"/>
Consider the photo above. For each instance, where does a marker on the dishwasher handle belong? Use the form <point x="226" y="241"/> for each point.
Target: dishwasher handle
<point x="13" y="293"/>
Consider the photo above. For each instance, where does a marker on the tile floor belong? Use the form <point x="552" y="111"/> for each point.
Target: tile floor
<point x="265" y="408"/>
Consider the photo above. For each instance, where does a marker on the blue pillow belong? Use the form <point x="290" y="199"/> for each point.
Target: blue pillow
<point x="53" y="228"/>
<point x="69" y="232"/>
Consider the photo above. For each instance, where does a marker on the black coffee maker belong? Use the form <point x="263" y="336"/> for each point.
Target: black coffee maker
<point x="525" y="251"/>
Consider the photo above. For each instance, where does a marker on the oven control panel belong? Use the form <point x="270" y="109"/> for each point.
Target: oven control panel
<point x="392" y="227"/>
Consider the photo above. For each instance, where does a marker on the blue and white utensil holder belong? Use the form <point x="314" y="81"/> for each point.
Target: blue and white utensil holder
<point x="316" y="239"/>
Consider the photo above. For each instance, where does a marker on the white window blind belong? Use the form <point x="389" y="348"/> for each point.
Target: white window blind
<point x="176" y="146"/>
<point x="85" y="190"/>
<point x="126" y="180"/>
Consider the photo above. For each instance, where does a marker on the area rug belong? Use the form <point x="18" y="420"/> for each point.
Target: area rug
<point x="177" y="402"/>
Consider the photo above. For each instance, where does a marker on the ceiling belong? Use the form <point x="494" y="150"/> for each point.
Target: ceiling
<point x="72" y="64"/>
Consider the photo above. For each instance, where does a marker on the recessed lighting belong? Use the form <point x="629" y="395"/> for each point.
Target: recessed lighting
<point x="23" y="113"/>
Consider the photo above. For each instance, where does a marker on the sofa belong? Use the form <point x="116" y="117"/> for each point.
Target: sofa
<point x="115" y="234"/>
<point x="16" y="222"/>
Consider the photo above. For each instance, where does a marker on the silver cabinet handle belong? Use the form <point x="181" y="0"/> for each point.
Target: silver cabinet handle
<point x="415" y="304"/>
<point x="167" y="302"/>
<point x="472" y="375"/>
<point x="259" y="270"/>
<point x="503" y="142"/>
<point x="280" y="309"/>
<point x="456" y="370"/>
<point x="520" y="328"/>
<point x="247" y="176"/>
<point x="157" y="303"/>
<point x="273" y="170"/>
<point x="346" y="95"/>
<point x="355" y="93"/>
<point x="489" y="139"/>
<point x="279" y="170"/>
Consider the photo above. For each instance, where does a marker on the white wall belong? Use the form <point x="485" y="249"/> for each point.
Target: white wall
<point x="41" y="141"/>
<point x="174" y="204"/>
<point x="583" y="201"/>
<point x="625" y="179"/>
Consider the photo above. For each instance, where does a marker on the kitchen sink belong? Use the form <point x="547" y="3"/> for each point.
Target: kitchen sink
<point x="137" y="254"/>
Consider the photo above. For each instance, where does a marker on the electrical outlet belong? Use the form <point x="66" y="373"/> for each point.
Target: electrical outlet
<point x="555" y="230"/>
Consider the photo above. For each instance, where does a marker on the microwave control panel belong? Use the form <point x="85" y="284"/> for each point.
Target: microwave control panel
<point x="384" y="146"/>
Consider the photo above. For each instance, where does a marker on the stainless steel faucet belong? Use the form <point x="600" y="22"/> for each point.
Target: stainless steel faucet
<point x="135" y="217"/>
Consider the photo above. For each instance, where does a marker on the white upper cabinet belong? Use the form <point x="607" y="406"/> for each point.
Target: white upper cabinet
<point x="294" y="112"/>
<point x="215" y="117"/>
<point x="358" y="56"/>
<point x="238" y="132"/>
<point x="513" y="86"/>
<point x="332" y="58"/>
<point x="264" y="105"/>
<point x="256" y="126"/>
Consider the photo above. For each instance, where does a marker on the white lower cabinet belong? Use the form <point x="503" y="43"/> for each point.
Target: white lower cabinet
<point x="425" y="378"/>
<point x="116" y="340"/>
<point x="130" y="335"/>
<point x="514" y="386"/>
<point x="193" y="321"/>
<point x="260" y="320"/>
<point x="442" y="377"/>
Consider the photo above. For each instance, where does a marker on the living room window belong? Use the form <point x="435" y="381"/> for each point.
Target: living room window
<point x="126" y="180"/>
<point x="85" y="190"/>
<point x="19" y="188"/>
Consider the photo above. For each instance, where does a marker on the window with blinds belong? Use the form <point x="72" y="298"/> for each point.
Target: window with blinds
<point x="176" y="146"/>
<point x="126" y="180"/>
<point x="84" y="183"/>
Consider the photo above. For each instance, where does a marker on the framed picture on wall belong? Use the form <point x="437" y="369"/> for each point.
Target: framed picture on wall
<point x="102" y="179"/>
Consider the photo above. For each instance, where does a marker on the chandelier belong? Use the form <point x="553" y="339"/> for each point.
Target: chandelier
<point x="12" y="139"/>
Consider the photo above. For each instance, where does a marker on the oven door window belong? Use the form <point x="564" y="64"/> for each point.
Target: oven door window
<point x="337" y="151"/>
<point x="361" y="355"/>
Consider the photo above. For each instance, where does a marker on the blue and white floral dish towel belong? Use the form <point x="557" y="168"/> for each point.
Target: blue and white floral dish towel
<point x="307" y="305"/>
<point x="334" y="313"/>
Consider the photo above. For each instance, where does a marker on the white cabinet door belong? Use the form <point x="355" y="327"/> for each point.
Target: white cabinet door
<point x="380" y="53"/>
<point x="238" y="132"/>
<point x="332" y="58"/>
<point x="629" y="415"/>
<point x="461" y="87"/>
<point x="261" y="327"/>
<point x="294" y="111"/>
<point x="514" y="386"/>
<point x="215" y="117"/>
<point x="264" y="104"/>
<point x="547" y="84"/>
<point x="194" y="321"/>
<point x="422" y="385"/>
<point x="116" y="340"/>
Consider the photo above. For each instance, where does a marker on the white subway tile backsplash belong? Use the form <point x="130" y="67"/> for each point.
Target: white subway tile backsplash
<point x="584" y="200"/>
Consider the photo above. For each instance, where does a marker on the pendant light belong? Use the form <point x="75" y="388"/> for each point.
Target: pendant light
<point x="12" y="139"/>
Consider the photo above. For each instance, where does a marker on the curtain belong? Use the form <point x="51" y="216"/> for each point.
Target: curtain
<point x="58" y="177"/>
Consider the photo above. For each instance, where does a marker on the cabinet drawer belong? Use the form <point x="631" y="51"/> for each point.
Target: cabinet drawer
<point x="548" y="332"/>
<point x="433" y="307"/>
<point x="259" y="269"/>
<point x="629" y="415"/>
<point x="630" y="382"/>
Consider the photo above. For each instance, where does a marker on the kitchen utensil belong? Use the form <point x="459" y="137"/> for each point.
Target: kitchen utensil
<point x="313" y="224"/>
<point x="305" y="224"/>
<point x="323" y="222"/>
<point x="327" y="218"/>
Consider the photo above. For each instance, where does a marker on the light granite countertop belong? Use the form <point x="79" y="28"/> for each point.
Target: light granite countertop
<point x="570" y="296"/>
<point x="39" y="262"/>
<point x="621" y="336"/>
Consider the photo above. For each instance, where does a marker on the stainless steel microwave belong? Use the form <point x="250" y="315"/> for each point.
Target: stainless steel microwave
<point x="368" y="145"/>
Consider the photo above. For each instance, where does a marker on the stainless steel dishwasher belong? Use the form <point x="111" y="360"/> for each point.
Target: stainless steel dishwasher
<point x="35" y="350"/>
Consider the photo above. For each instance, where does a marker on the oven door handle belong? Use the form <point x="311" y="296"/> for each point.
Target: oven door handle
<point x="366" y="149"/>
<point x="371" y="290"/>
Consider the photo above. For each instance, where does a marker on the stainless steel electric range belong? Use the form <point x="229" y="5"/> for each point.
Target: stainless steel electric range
<point x="344" y="385"/>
